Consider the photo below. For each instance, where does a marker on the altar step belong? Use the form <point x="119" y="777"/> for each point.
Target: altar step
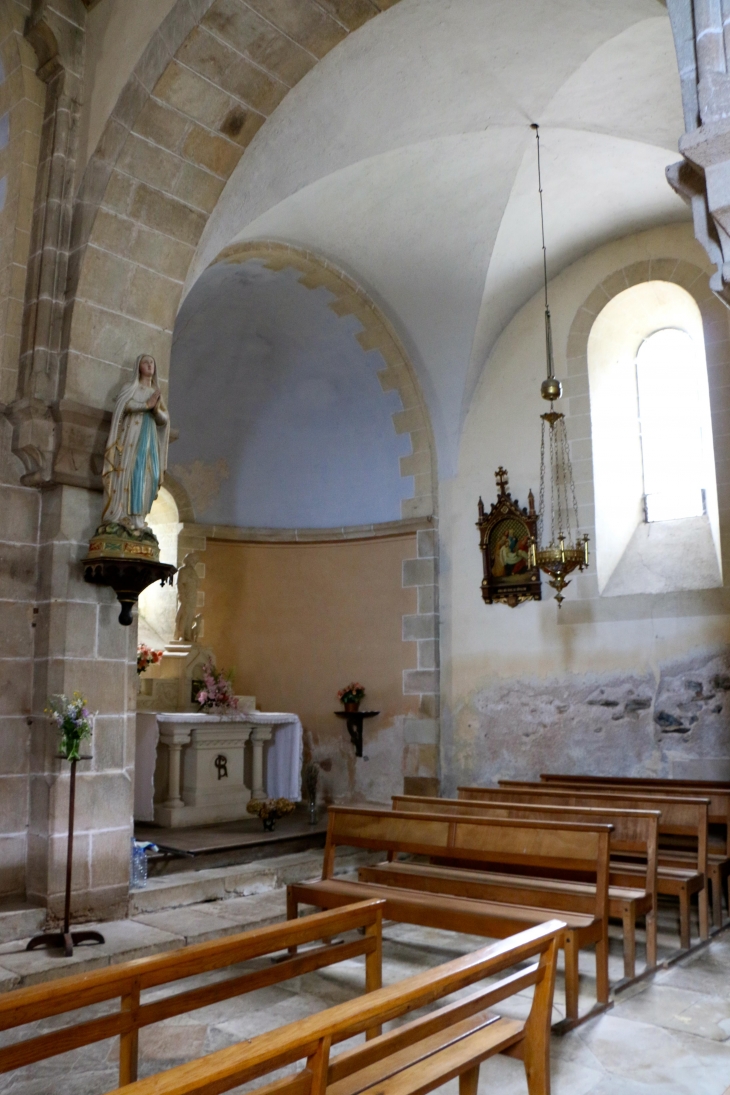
<point x="192" y="887"/>
<point x="18" y="919"/>
<point x="229" y="843"/>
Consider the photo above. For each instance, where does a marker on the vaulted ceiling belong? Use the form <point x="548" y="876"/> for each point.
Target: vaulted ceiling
<point x="405" y="157"/>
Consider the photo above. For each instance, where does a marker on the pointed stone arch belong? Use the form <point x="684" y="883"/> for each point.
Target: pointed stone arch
<point x="211" y="75"/>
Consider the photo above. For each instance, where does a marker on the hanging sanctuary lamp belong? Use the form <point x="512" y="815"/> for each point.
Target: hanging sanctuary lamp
<point x="564" y="550"/>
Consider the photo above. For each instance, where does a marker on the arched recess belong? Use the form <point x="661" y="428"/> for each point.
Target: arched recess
<point x="418" y="514"/>
<point x="211" y="75"/>
<point x="377" y="334"/>
<point x="694" y="280"/>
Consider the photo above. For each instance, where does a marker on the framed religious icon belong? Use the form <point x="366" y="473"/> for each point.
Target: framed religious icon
<point x="505" y="535"/>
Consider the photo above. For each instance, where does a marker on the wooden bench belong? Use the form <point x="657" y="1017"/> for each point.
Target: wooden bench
<point x="680" y="816"/>
<point x="718" y="819"/>
<point x="634" y="831"/>
<point x="574" y="845"/>
<point x="128" y="980"/>
<point x="416" y="1057"/>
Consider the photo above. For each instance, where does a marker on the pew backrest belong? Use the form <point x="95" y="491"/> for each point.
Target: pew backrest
<point x="718" y="794"/>
<point x="634" y="831"/>
<point x="127" y="980"/>
<point x="312" y="1037"/>
<point x="562" y="845"/>
<point x="680" y="816"/>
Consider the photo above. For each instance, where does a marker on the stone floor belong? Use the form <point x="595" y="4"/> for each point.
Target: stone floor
<point x="669" y="1035"/>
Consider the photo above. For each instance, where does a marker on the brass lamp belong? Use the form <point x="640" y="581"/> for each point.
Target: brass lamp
<point x="566" y="550"/>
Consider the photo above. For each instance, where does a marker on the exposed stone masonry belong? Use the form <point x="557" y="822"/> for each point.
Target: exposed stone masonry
<point x="609" y="725"/>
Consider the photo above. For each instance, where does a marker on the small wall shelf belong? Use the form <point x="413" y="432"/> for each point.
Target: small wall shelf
<point x="355" y="720"/>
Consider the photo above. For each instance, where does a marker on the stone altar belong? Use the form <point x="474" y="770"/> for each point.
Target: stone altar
<point x="206" y="764"/>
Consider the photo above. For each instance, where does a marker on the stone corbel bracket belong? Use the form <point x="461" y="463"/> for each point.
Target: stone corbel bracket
<point x="702" y="179"/>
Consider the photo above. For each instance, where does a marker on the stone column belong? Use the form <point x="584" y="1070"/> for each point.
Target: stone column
<point x="79" y="645"/>
<point x="174" y="738"/>
<point x="259" y="735"/>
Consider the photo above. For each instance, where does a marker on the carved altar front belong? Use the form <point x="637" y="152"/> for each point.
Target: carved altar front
<point x="205" y="782"/>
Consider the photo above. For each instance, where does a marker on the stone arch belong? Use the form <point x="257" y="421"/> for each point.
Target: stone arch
<point x="211" y="75"/>
<point x="692" y="278"/>
<point x="21" y="102"/>
<point x="377" y="334"/>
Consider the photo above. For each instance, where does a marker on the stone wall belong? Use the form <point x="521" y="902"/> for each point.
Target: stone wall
<point x="90" y="277"/>
<point x="625" y="684"/>
<point x="612" y="724"/>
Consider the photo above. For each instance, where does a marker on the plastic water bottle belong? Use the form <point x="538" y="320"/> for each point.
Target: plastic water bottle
<point x="138" y="872"/>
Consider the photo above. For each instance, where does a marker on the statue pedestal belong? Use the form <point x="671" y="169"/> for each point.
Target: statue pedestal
<point x="206" y="765"/>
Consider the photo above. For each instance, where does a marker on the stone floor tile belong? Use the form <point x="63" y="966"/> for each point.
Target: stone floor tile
<point x="680" y="1009"/>
<point x="124" y="940"/>
<point x="191" y="923"/>
<point x="210" y="919"/>
<point x="8" y="980"/>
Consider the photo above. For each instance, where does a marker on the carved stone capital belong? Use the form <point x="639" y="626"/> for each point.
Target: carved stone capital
<point x="34" y="439"/>
<point x="61" y="443"/>
<point x="82" y="437"/>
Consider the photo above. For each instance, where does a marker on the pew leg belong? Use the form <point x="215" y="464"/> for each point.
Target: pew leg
<point x="128" y="1050"/>
<point x="602" y="985"/>
<point x="292" y="911"/>
<point x="629" y="932"/>
<point x="684" y="919"/>
<point x="651" y="944"/>
<point x="536" y="1044"/>
<point x="129" y="1040"/>
<point x="570" y="948"/>
<point x="469" y="1081"/>
<point x="704" y="908"/>
<point x="374" y="967"/>
<point x="716" y="896"/>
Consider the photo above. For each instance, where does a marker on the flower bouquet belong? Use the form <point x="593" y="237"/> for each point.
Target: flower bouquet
<point x="146" y="657"/>
<point x="270" y="809"/>
<point x="217" y="691"/>
<point x="73" y="720"/>
<point x="351" y="695"/>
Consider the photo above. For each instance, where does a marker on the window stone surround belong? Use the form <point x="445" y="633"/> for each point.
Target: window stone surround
<point x="589" y="607"/>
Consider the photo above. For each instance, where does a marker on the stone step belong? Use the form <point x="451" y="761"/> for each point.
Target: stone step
<point x="239" y="880"/>
<point x="18" y="919"/>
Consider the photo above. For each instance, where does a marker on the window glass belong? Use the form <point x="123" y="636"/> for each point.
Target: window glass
<point x="671" y="414"/>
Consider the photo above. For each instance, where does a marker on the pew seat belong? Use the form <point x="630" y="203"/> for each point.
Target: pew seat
<point x="582" y="846"/>
<point x="683" y="817"/>
<point x="414" y="1058"/>
<point x="634" y="832"/>
<point x="624" y="904"/>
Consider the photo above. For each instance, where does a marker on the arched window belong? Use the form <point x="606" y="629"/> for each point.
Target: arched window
<point x="657" y="526"/>
<point x="158" y="604"/>
<point x="674" y="416"/>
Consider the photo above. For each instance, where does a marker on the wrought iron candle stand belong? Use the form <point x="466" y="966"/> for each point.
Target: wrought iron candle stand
<point x="66" y="938"/>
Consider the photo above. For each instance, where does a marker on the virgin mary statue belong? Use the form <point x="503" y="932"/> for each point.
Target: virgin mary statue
<point x="136" y="454"/>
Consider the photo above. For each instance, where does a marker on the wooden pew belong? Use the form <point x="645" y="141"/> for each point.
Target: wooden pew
<point x="718" y="794"/>
<point x="678" y="816"/>
<point x="575" y="845"/>
<point x="416" y="1057"/>
<point x="634" y="831"/>
<point x="128" y="980"/>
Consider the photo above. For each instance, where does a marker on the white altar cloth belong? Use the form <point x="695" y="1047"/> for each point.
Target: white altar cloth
<point x="284" y="755"/>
